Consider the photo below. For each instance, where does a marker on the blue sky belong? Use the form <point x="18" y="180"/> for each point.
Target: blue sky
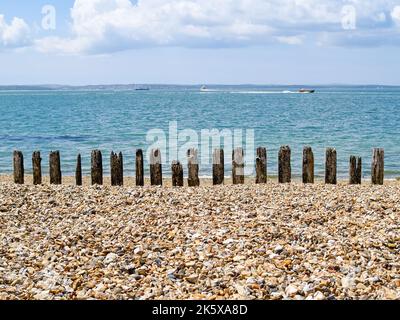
<point x="208" y="41"/>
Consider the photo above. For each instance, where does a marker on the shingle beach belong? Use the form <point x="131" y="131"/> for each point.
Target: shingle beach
<point x="270" y="241"/>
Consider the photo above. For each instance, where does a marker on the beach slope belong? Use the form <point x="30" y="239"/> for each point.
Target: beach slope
<point x="228" y="242"/>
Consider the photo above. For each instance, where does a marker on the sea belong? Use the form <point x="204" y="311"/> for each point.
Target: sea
<point x="352" y="119"/>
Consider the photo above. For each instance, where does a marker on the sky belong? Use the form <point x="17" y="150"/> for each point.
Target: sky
<point x="81" y="42"/>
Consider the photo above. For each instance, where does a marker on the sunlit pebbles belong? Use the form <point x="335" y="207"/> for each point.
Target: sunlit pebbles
<point x="227" y="242"/>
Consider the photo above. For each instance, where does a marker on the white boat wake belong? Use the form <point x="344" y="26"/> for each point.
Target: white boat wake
<point x="264" y="92"/>
<point x="204" y="89"/>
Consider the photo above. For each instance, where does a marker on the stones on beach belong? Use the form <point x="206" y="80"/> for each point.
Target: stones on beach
<point x="55" y="168"/>
<point x="18" y="163"/>
<point x="331" y="166"/>
<point x="206" y="242"/>
<point x="261" y="165"/>
<point x="155" y="167"/>
<point x="378" y="166"/>
<point x="284" y="165"/>
<point x="97" y="167"/>
<point x="37" y="168"/>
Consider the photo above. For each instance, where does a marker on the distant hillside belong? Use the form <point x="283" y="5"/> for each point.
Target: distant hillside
<point x="65" y="87"/>
<point x="178" y="86"/>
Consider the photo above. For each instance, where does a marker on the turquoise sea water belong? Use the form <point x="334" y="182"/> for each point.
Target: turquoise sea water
<point x="351" y="119"/>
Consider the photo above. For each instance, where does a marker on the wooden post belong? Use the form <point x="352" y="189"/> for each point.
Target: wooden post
<point x="155" y="168"/>
<point x="218" y="166"/>
<point x="18" y="167"/>
<point x="238" y="166"/>
<point x="331" y="166"/>
<point x="121" y="168"/>
<point x="55" y="167"/>
<point x="37" y="168"/>
<point x="97" y="167"/>
<point x="378" y="166"/>
<point x="139" y="168"/>
<point x="355" y="170"/>
<point x="193" y="168"/>
<point x="261" y="165"/>
<point x="78" y="171"/>
<point x="308" y="165"/>
<point x="116" y="165"/>
<point x="177" y="174"/>
<point x="284" y="167"/>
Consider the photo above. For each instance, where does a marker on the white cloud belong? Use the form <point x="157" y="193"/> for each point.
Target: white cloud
<point x="102" y="26"/>
<point x="15" y="34"/>
<point x="290" y="40"/>
<point x="396" y="15"/>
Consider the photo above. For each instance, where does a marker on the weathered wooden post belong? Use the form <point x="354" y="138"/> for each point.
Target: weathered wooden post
<point x="308" y="165"/>
<point x="261" y="165"/>
<point x="177" y="174"/>
<point x="18" y="161"/>
<point x="78" y="171"/>
<point x="331" y="166"/>
<point x="37" y="168"/>
<point x="193" y="168"/>
<point x="218" y="166"/>
<point x="378" y="166"/>
<point x="155" y="168"/>
<point x="55" y="167"/>
<point x="97" y="168"/>
<point x="355" y="170"/>
<point x="116" y="165"/>
<point x="238" y="166"/>
<point x="284" y="167"/>
<point x="139" y="168"/>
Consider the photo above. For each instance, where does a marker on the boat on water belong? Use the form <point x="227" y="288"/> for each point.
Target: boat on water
<point x="306" y="91"/>
<point x="142" y="88"/>
<point x="205" y="89"/>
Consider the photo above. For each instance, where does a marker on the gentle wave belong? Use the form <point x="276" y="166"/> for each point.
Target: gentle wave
<point x="264" y="92"/>
<point x="250" y="92"/>
<point x="44" y="138"/>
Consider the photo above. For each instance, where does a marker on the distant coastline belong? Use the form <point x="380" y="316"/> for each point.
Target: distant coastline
<point x="47" y="87"/>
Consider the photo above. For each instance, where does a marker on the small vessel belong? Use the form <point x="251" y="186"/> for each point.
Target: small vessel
<point x="204" y="89"/>
<point x="142" y="88"/>
<point x="306" y="91"/>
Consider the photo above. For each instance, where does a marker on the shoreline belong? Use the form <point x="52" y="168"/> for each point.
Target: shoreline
<point x="204" y="181"/>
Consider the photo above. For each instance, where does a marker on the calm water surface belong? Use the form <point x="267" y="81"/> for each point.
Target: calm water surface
<point x="353" y="120"/>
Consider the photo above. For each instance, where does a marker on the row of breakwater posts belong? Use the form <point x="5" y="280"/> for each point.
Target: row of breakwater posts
<point x="284" y="167"/>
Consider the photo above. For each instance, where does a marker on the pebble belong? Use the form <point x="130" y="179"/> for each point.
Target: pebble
<point x="348" y="282"/>
<point x="319" y="296"/>
<point x="278" y="249"/>
<point x="291" y="290"/>
<point x="111" y="257"/>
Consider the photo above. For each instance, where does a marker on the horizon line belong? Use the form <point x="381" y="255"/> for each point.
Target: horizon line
<point x="199" y="84"/>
